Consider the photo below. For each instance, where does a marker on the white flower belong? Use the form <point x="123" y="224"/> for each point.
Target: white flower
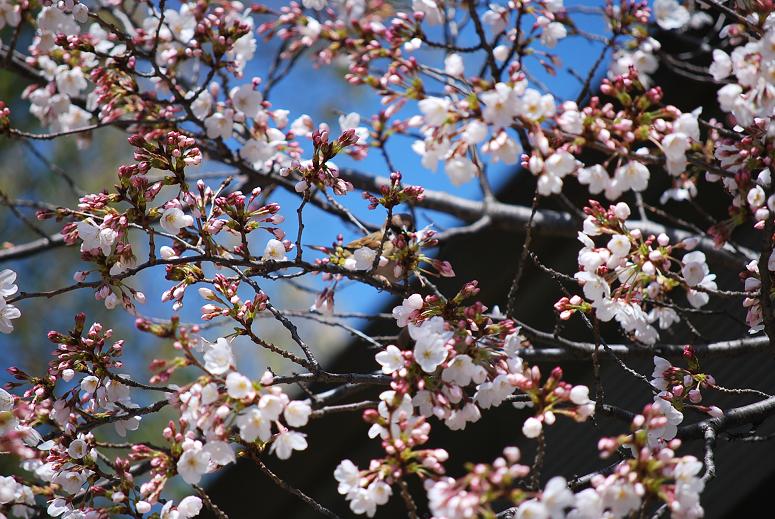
<point x="379" y="492"/>
<point x="8" y="488"/>
<point x="271" y="405"/>
<point x="348" y="476"/>
<point x="589" y="505"/>
<point x="532" y="509"/>
<point x="71" y="481"/>
<point x="632" y="175"/>
<point x="552" y="33"/>
<point x="220" y="124"/>
<point x="694" y="268"/>
<point x="429" y="354"/>
<point x="721" y="66"/>
<point x="181" y="24"/>
<point x="286" y="442"/>
<point x="670" y="14"/>
<point x="596" y="177"/>
<point x="619" y="245"/>
<point x="390" y="359"/>
<point x="77" y="448"/>
<point x="257" y="151"/>
<point x="89" y="384"/>
<point x="220" y="452"/>
<point x="495" y="18"/>
<point x="729" y="95"/>
<point x="408" y="307"/>
<point x="571" y="120"/>
<point x="434" y="110"/>
<point x="460" y="170"/>
<point x="201" y="105"/>
<point x="560" y="163"/>
<point x="620" y="496"/>
<point x="595" y="288"/>
<point x="532" y="427"/>
<point x="500" y="106"/>
<point x="556" y="497"/>
<point x="189" y="507"/>
<point x="503" y="149"/>
<point x="192" y="464"/>
<point x="453" y="65"/>
<point x="314" y="4"/>
<point x="246" y="99"/>
<point x="297" y="413"/>
<point x="174" y="219"/>
<point x="430" y="347"/>
<point x="534" y="106"/>
<point x="7" y="286"/>
<point x="9" y="14"/>
<point x="6" y="401"/>
<point x="7" y="313"/>
<point x="674" y="146"/>
<point x="218" y="357"/>
<point x="252" y="424"/>
<point x="431" y="152"/>
<point x="239" y="386"/>
<point x="95" y="238"/>
<point x="670" y="429"/>
<point x="474" y="133"/>
<point x="274" y="250"/>
<point x="70" y="81"/>
<point x="462" y="371"/>
<point x="756" y="197"/>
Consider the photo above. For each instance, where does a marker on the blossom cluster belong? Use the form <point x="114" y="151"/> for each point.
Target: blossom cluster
<point x="463" y="362"/>
<point x="631" y="278"/>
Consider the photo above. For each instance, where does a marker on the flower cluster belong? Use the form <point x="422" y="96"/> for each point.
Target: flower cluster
<point x="653" y="472"/>
<point x="402" y="432"/>
<point x="462" y="361"/>
<point x="631" y="278"/>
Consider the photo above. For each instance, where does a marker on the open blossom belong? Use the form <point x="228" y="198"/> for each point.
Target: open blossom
<point x="430" y="343"/>
<point x="8" y="312"/>
<point x="96" y="238"/>
<point x="239" y="386"/>
<point x="391" y="359"/>
<point x="670" y="14"/>
<point x="220" y="124"/>
<point x="434" y="110"/>
<point x="500" y="105"/>
<point x="174" y="219"/>
<point x="7" y="283"/>
<point x="460" y="170"/>
<point x="408" y="309"/>
<point x="218" y="357"/>
<point x="632" y="175"/>
<point x="552" y="32"/>
<point x="193" y="463"/>
<point x="297" y="413"/>
<point x="694" y="268"/>
<point x="253" y="424"/>
<point x="246" y="99"/>
<point x="286" y="442"/>
<point x="274" y="250"/>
